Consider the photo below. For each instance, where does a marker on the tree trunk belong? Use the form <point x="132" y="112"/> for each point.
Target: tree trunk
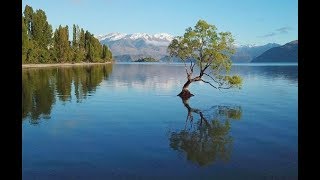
<point x="185" y="93"/>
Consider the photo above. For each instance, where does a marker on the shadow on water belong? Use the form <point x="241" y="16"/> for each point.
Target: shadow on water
<point x="41" y="86"/>
<point x="206" y="139"/>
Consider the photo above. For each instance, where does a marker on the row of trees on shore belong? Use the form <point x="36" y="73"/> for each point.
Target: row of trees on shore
<point x="41" y="45"/>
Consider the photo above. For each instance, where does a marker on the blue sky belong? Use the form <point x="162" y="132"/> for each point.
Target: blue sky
<point x="250" y="21"/>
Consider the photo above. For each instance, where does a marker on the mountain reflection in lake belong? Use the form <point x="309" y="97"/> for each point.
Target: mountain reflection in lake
<point x="125" y="121"/>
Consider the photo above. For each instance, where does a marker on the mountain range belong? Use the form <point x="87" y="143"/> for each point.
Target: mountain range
<point x="246" y="53"/>
<point x="131" y="47"/>
<point x="137" y="45"/>
<point x="285" y="53"/>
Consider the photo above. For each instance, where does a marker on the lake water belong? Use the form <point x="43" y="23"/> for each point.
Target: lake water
<point x="124" y="121"/>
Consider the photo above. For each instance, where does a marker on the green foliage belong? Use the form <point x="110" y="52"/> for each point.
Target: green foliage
<point x="90" y="54"/>
<point x="25" y="40"/>
<point x="93" y="48"/>
<point x="82" y="39"/>
<point x="97" y="47"/>
<point x="233" y="81"/>
<point x="43" y="55"/>
<point x="208" y="48"/>
<point x="40" y="45"/>
<point x="33" y="53"/>
<point x="36" y="36"/>
<point x="41" y="29"/>
<point x="106" y="54"/>
<point x="74" y="36"/>
<point x="28" y="15"/>
<point x="61" y="45"/>
<point x="109" y="55"/>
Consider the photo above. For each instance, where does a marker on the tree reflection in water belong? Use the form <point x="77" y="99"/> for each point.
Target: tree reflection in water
<point x="41" y="86"/>
<point x="207" y="139"/>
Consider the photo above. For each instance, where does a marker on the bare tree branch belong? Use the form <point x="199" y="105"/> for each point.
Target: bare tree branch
<point x="208" y="64"/>
<point x="189" y="118"/>
<point x="224" y="87"/>
<point x="201" y="53"/>
<point x="204" y="69"/>
<point x="213" y="79"/>
<point x="220" y="84"/>
<point x="191" y="67"/>
<point x="185" y="66"/>
<point x="203" y="118"/>
<point x="208" y="83"/>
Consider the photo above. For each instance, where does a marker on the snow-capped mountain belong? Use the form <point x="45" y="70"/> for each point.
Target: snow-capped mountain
<point x="111" y="36"/>
<point x="160" y="39"/>
<point x="137" y="44"/>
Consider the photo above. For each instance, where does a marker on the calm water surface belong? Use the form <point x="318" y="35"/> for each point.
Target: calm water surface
<point x="124" y="121"/>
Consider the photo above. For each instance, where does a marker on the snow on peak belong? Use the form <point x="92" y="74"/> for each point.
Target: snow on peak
<point x="111" y="36"/>
<point x="164" y="36"/>
<point x="159" y="39"/>
<point x="135" y="36"/>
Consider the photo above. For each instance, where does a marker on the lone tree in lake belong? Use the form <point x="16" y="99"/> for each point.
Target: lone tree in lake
<point x="209" y="50"/>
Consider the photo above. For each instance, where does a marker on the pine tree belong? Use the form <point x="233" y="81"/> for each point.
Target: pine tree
<point x="82" y="39"/>
<point x="74" y="37"/>
<point x="104" y="52"/>
<point x="90" y="53"/>
<point x="109" y="54"/>
<point x="28" y="15"/>
<point x="61" y="44"/>
<point x="25" y="40"/>
<point x="41" y="29"/>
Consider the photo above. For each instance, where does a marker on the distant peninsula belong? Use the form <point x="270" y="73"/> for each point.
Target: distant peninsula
<point x="285" y="53"/>
<point x="147" y="59"/>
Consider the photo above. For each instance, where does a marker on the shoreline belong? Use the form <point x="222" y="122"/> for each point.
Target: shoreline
<point x="60" y="64"/>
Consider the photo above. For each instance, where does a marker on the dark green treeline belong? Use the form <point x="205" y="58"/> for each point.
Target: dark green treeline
<point x="41" y="45"/>
<point x="43" y="87"/>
